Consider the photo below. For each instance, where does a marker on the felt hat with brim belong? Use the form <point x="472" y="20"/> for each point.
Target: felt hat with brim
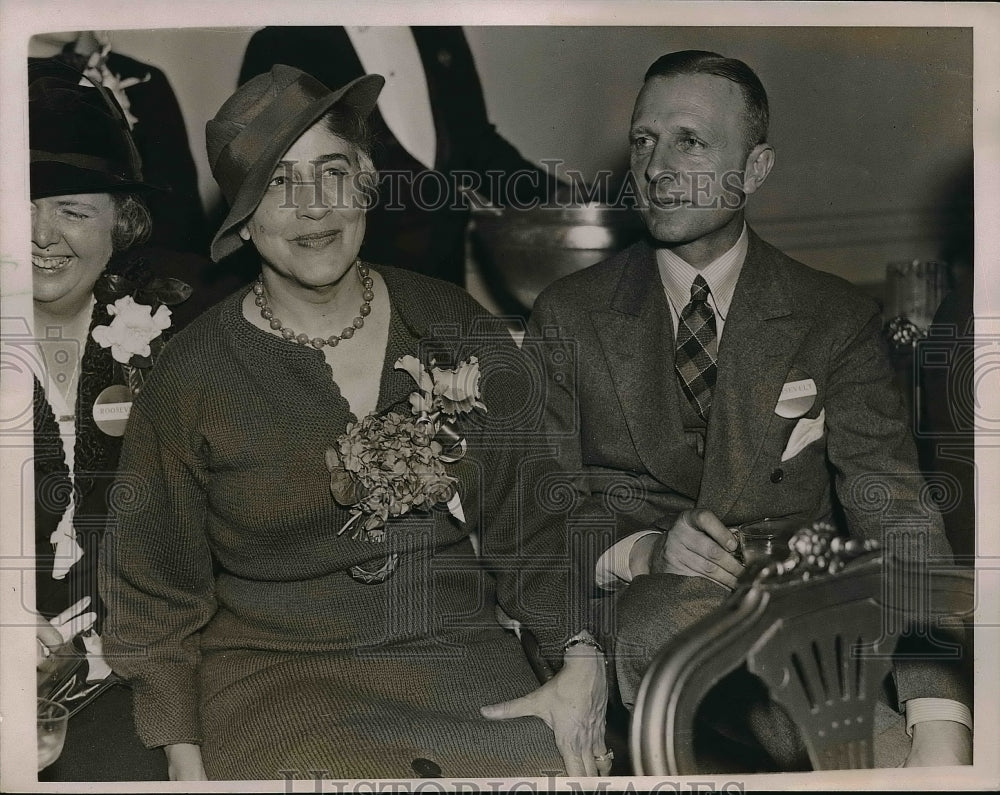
<point x="78" y="136"/>
<point x="258" y="124"/>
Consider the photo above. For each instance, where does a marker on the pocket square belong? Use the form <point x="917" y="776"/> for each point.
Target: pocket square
<point x="804" y="433"/>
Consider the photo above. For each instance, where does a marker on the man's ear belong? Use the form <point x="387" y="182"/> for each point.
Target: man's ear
<point x="760" y="161"/>
<point x="244" y="233"/>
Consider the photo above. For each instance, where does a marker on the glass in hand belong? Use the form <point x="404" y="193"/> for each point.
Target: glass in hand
<point x="764" y="540"/>
<point x="52" y="719"/>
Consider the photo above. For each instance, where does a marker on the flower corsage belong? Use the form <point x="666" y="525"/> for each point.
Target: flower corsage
<point x="97" y="70"/>
<point x="140" y="315"/>
<point x="386" y="466"/>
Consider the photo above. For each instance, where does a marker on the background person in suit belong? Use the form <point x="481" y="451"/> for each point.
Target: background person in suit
<point x="724" y="382"/>
<point x="433" y="133"/>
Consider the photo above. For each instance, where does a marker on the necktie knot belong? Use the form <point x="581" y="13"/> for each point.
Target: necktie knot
<point x="699" y="290"/>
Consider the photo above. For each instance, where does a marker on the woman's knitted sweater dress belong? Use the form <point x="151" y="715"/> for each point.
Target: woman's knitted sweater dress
<point x="231" y="606"/>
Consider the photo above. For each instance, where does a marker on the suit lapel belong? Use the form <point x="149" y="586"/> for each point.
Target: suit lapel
<point x="432" y="42"/>
<point x="761" y="337"/>
<point x="636" y="336"/>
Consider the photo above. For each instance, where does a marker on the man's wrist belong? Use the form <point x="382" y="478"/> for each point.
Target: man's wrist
<point x="614" y="569"/>
<point x="937" y="743"/>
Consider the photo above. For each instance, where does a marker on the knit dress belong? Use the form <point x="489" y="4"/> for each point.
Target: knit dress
<point x="232" y="610"/>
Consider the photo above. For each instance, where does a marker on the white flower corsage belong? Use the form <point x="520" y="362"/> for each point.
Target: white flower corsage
<point x="134" y="326"/>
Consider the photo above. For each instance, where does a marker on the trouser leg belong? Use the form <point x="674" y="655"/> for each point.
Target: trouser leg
<point x="650" y="613"/>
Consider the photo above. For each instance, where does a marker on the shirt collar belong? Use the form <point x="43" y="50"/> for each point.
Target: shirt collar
<point x="721" y="275"/>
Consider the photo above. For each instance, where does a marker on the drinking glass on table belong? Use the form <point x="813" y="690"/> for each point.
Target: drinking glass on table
<point x="51" y="720"/>
<point x="765" y="540"/>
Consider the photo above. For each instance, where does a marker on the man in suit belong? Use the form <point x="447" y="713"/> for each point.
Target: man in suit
<point x="719" y="382"/>
<point x="434" y="137"/>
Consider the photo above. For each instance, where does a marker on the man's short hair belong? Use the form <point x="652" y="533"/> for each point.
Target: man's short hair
<point x="702" y="62"/>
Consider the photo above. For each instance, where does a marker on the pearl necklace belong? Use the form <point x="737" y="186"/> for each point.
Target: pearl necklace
<point x="260" y="299"/>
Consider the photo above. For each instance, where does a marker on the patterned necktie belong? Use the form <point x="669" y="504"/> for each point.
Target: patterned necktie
<point x="697" y="349"/>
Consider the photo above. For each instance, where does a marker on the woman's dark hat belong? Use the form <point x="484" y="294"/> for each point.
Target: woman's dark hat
<point x="79" y="137"/>
<point x="258" y="124"/>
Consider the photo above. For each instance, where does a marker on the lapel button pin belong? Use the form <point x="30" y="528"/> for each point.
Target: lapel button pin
<point x="777" y="476"/>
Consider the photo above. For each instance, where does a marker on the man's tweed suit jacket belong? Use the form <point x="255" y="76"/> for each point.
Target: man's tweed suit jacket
<point x="605" y="340"/>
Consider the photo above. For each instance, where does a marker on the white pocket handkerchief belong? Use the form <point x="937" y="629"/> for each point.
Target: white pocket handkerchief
<point x="804" y="433"/>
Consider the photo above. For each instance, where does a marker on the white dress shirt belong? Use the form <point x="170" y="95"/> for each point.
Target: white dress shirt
<point x="721" y="275"/>
<point x="405" y="102"/>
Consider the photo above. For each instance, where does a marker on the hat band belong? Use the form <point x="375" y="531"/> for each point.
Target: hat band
<point x="237" y="156"/>
<point x="88" y="162"/>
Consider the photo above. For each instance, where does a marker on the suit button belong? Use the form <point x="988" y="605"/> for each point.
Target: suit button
<point x="777" y="476"/>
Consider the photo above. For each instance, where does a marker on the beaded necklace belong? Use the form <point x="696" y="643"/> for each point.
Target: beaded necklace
<point x="260" y="299"/>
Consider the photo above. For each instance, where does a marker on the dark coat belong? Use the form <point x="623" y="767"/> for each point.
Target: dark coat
<point x="161" y="138"/>
<point x="95" y="452"/>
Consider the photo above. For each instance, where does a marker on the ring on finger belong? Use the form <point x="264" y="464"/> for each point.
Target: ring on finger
<point x="607" y="756"/>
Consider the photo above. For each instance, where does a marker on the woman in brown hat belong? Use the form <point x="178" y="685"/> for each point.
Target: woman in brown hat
<point x="100" y="317"/>
<point x="298" y="594"/>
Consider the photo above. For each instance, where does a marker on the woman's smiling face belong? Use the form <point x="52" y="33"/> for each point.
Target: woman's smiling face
<point x="70" y="246"/>
<point x="309" y="225"/>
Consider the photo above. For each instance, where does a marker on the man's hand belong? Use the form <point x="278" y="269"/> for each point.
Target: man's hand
<point x="940" y="743"/>
<point x="697" y="545"/>
<point x="572" y="704"/>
